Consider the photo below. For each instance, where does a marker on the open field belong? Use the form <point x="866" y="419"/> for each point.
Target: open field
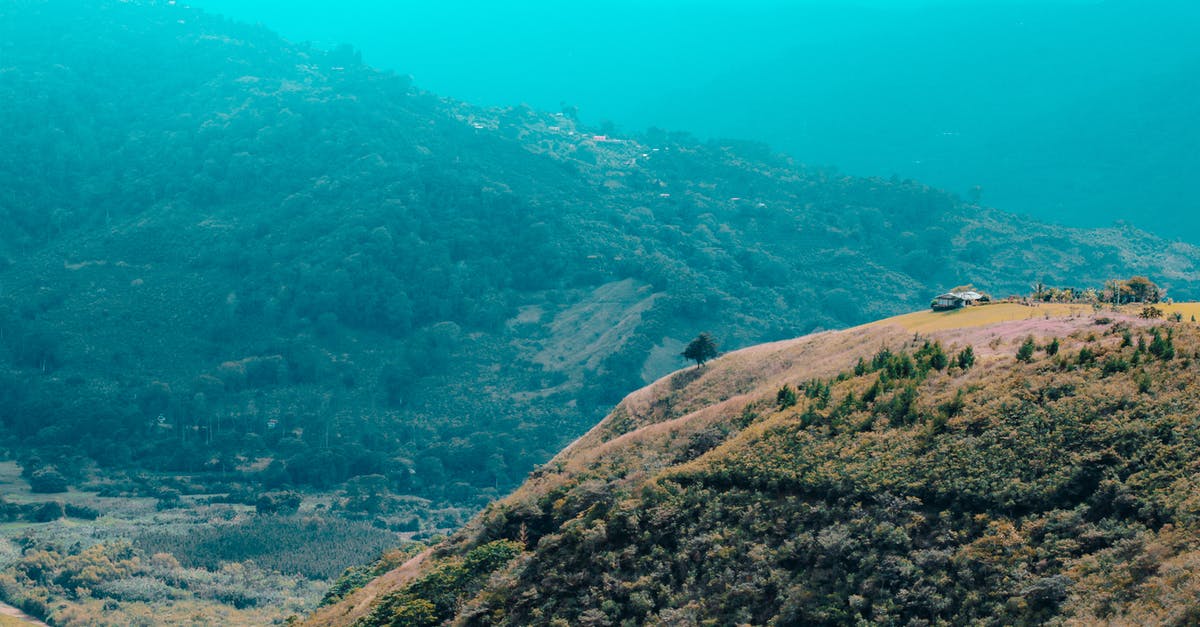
<point x="982" y="315"/>
<point x="928" y="321"/>
<point x="1187" y="310"/>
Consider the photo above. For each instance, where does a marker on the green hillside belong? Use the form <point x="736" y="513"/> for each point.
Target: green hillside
<point x="854" y="477"/>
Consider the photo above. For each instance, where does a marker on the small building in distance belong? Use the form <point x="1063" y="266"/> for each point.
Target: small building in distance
<point x="957" y="300"/>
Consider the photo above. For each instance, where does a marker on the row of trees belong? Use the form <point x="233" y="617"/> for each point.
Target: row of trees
<point x="1138" y="289"/>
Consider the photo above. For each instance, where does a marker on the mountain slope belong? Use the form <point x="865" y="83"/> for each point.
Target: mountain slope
<point x="905" y="484"/>
<point x="225" y="251"/>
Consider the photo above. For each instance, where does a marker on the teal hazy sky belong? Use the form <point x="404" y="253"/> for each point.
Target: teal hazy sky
<point x="1082" y="112"/>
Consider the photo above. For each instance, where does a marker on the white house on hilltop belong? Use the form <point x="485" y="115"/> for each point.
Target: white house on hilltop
<point x="956" y="300"/>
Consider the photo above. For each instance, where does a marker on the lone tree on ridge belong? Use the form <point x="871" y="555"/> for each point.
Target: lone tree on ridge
<point x="702" y="349"/>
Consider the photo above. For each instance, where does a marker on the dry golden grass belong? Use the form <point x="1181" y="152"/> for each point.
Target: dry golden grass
<point x="12" y="617"/>
<point x="983" y="315"/>
<point x="1187" y="310"/>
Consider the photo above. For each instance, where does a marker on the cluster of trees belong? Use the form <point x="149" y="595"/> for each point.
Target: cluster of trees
<point x="45" y="511"/>
<point x="1138" y="289"/>
<point x="278" y="503"/>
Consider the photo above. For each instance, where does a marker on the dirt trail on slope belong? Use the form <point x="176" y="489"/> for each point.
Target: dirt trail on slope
<point x="10" y="615"/>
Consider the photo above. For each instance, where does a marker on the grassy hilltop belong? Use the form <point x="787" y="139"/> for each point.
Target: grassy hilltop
<point x="899" y="481"/>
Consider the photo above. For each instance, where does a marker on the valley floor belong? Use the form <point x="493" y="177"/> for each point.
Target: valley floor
<point x="193" y="560"/>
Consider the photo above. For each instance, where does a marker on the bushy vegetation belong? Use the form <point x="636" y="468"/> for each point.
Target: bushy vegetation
<point x="435" y="596"/>
<point x="359" y="575"/>
<point x="115" y="583"/>
<point x="195" y="561"/>
<point x="1012" y="492"/>
<point x="223" y="559"/>
<point x="43" y="511"/>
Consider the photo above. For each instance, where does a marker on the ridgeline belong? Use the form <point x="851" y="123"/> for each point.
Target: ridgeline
<point x="871" y="474"/>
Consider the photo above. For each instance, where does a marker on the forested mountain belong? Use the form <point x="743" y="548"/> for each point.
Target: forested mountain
<point x="933" y="469"/>
<point x="265" y="265"/>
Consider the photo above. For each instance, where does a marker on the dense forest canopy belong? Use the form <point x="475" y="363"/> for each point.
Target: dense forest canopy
<point x="271" y="266"/>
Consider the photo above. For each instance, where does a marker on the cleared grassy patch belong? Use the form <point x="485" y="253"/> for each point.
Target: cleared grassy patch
<point x="14" y="621"/>
<point x="1187" y="310"/>
<point x="983" y="315"/>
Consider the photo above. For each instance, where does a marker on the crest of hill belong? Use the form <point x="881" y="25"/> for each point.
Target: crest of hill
<point x="1058" y="486"/>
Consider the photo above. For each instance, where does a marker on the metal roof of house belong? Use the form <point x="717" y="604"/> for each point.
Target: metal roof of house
<point x="962" y="295"/>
